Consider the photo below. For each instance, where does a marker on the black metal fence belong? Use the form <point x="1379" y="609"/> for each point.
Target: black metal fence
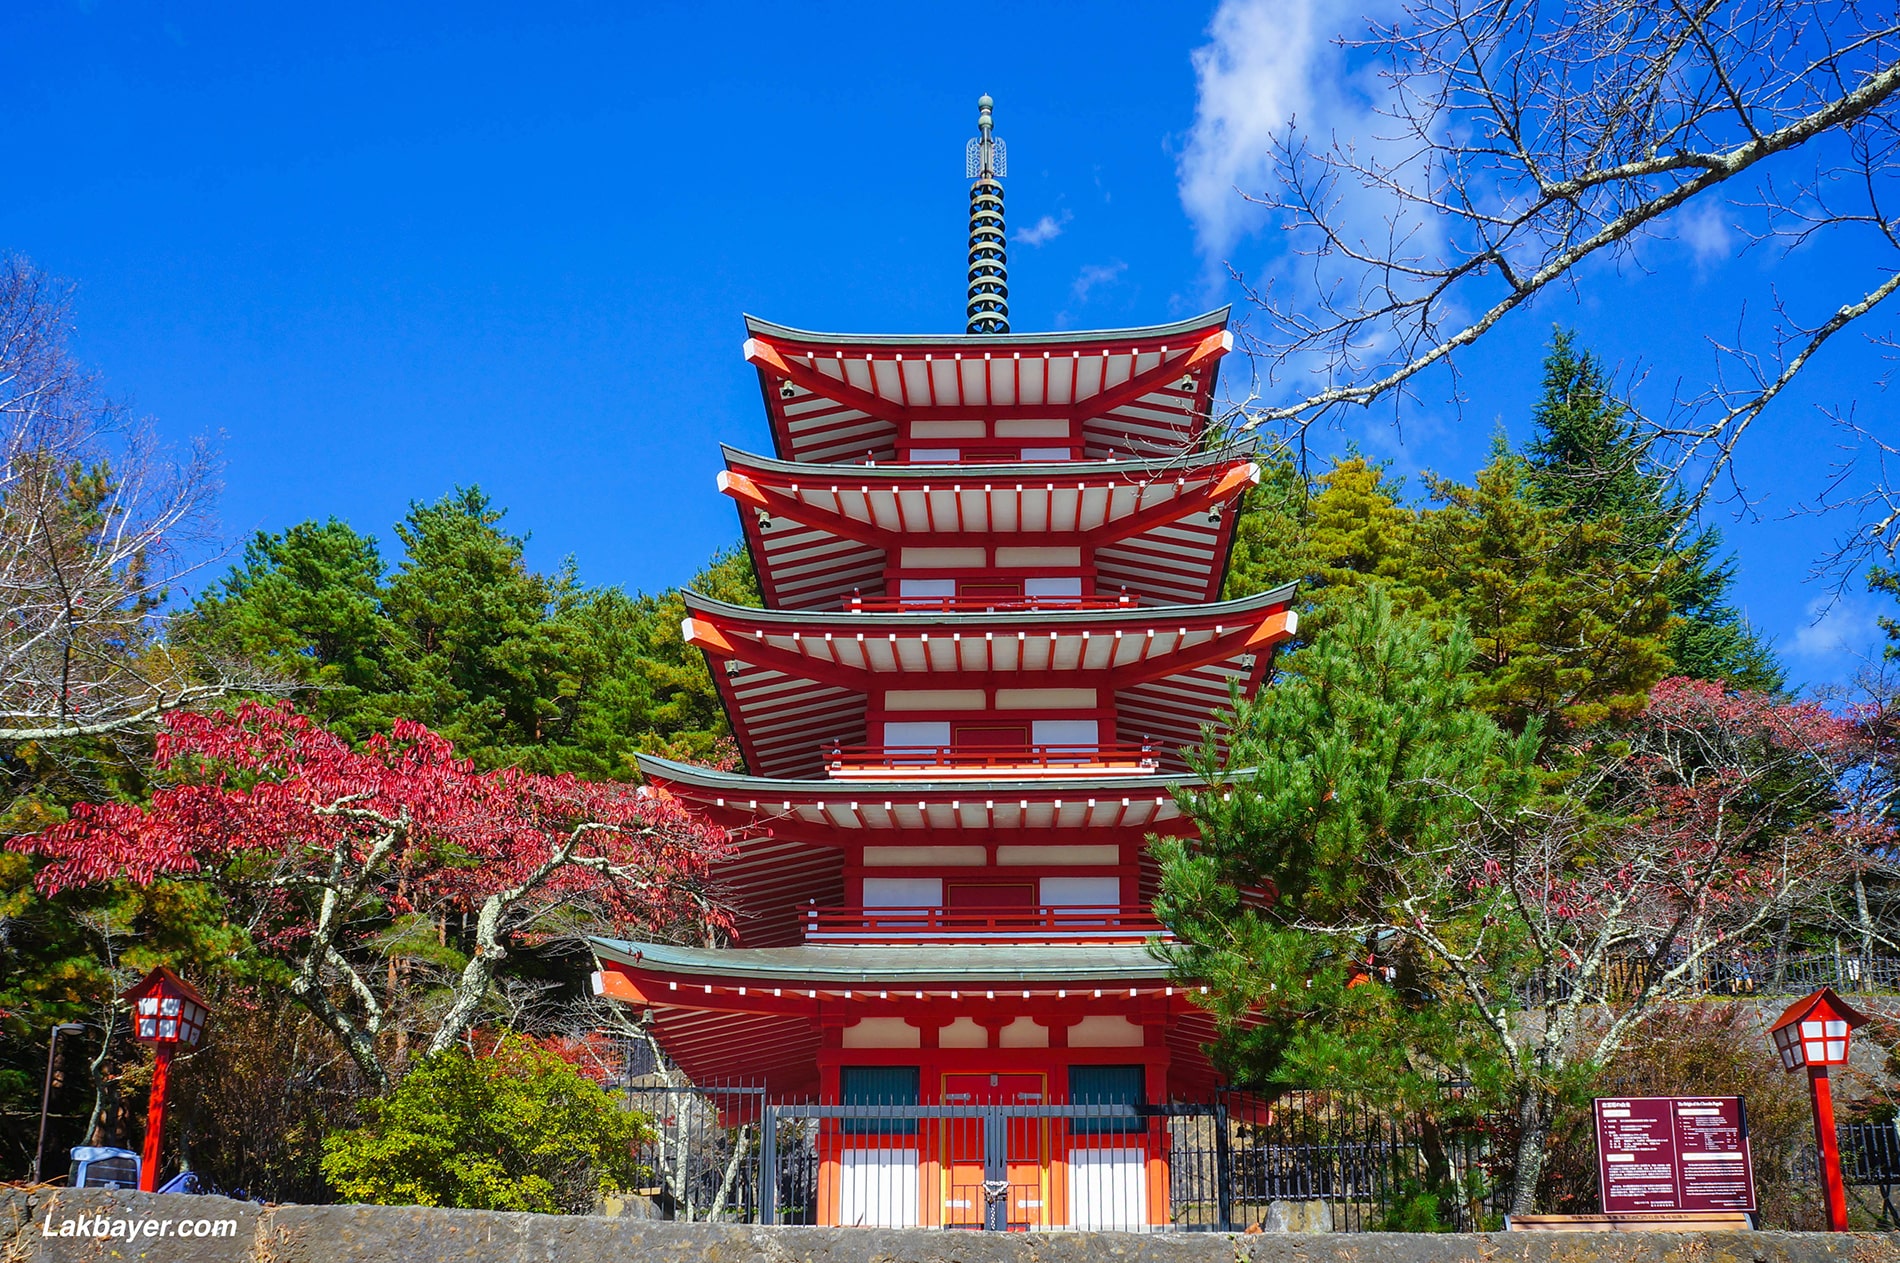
<point x="1870" y="1166"/>
<point x="1741" y="974"/>
<point x="1312" y="1161"/>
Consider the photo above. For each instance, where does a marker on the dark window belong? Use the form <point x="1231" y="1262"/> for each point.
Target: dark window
<point x="879" y="1085"/>
<point x="1106" y="1085"/>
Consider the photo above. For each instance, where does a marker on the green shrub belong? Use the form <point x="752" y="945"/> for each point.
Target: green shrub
<point x="520" y="1129"/>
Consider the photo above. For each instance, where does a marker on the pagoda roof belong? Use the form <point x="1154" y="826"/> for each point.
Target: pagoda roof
<point x="727" y="1014"/>
<point x="793" y="838"/>
<point x="845" y="397"/>
<point x="966" y="342"/>
<point x="857" y="813"/>
<point x="832" y="527"/>
<point x="792" y="679"/>
<point x="834" y="968"/>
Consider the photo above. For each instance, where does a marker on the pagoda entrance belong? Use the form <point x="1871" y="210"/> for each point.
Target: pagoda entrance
<point x="994" y="1154"/>
<point x="996" y="1163"/>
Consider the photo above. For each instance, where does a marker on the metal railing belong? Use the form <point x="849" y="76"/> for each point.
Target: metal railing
<point x="1308" y="1160"/>
<point x="1739" y="975"/>
<point x="1069" y="924"/>
<point x="1224" y="1164"/>
<point x="844" y="762"/>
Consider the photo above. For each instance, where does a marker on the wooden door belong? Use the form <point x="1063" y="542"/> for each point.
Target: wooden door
<point x="976" y="905"/>
<point x="1026" y="1154"/>
<point x="1002" y="593"/>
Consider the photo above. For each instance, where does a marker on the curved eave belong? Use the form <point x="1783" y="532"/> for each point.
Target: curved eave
<point x="1066" y="470"/>
<point x="791" y="680"/>
<point x="1216" y="319"/>
<point x="772" y="789"/>
<point x="834" y="967"/>
<point x="1048" y="620"/>
<point x="1158" y="532"/>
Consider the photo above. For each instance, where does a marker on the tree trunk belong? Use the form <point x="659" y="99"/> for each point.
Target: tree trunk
<point x="355" y="1041"/>
<point x="471" y="989"/>
<point x="1866" y="920"/>
<point x="106" y="1127"/>
<point x="1533" y="1136"/>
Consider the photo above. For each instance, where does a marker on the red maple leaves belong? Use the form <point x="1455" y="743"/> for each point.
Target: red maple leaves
<point x="266" y="783"/>
<point x="329" y="856"/>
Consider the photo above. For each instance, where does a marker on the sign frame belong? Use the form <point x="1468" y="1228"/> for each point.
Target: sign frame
<point x="1670" y="1155"/>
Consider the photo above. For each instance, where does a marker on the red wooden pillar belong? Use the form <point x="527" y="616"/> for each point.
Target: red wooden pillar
<point x="155" y="1121"/>
<point x="1833" y="1186"/>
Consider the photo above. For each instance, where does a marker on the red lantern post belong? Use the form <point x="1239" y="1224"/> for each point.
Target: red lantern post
<point x="166" y="1012"/>
<point x="1813" y="1033"/>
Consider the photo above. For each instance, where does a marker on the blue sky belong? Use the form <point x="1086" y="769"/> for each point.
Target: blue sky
<point x="386" y="250"/>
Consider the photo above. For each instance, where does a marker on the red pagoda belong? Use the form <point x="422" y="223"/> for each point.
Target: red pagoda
<point x="991" y="566"/>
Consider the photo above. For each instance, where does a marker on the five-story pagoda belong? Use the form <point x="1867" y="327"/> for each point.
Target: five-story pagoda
<point x="991" y="566"/>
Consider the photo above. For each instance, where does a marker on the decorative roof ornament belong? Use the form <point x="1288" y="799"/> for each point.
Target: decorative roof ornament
<point x="985" y="163"/>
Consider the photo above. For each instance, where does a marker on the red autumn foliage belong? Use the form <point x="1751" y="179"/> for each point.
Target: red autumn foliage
<point x="321" y="849"/>
<point x="264" y="781"/>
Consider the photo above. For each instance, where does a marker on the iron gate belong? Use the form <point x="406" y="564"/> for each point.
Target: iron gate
<point x="726" y="1152"/>
<point x="989" y="1167"/>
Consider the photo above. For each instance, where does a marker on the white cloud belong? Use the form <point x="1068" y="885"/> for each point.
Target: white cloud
<point x="1048" y="228"/>
<point x="1704" y="227"/>
<point x="1844" y="628"/>
<point x="1094" y="275"/>
<point x="1269" y="63"/>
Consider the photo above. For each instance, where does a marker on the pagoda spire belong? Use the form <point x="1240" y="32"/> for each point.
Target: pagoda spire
<point x="985" y="162"/>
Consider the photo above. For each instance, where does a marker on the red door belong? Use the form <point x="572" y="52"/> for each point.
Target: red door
<point x="977" y="743"/>
<point x="978" y="905"/>
<point x="1003" y="594"/>
<point x="1027" y="1141"/>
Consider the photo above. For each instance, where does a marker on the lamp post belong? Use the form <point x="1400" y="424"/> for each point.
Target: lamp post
<point x="1813" y="1033"/>
<point x="46" y="1090"/>
<point x="166" y="1012"/>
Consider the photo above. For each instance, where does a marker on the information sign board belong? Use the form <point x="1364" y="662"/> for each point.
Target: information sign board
<point x="1674" y="1153"/>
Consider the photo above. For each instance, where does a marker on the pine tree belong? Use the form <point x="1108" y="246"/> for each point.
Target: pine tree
<point x="1347" y="531"/>
<point x="307" y="603"/>
<point x="1324" y="770"/>
<point x="1565" y="631"/>
<point x="519" y="668"/>
<point x="1589" y="461"/>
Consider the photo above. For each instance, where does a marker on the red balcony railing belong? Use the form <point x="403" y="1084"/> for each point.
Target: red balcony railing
<point x="844" y="762"/>
<point x="982" y="604"/>
<point x="1103" y="924"/>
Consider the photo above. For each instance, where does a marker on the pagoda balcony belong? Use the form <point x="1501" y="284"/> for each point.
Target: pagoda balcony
<point x="943" y="763"/>
<point x="982" y="604"/>
<point x="1069" y="924"/>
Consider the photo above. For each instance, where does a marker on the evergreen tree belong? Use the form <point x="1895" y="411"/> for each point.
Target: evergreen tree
<point x="517" y="667"/>
<point x="1312" y="834"/>
<point x="1347" y="531"/>
<point x="307" y="603"/>
<point x="1589" y="461"/>
<point x="477" y="664"/>
<point x="1566" y="631"/>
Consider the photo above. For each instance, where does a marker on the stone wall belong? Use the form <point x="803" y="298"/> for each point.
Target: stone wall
<point x="392" y="1234"/>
